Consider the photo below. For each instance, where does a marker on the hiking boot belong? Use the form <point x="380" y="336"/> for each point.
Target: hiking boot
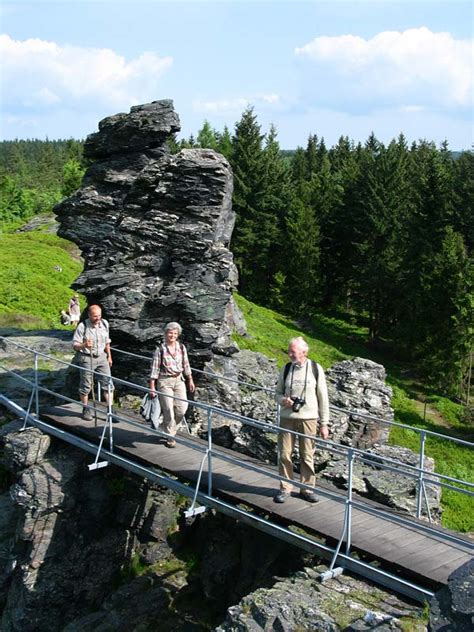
<point x="87" y="414"/>
<point x="280" y="497"/>
<point x="310" y="497"/>
<point x="170" y="443"/>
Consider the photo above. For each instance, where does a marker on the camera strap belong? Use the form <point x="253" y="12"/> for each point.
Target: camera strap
<point x="303" y="392"/>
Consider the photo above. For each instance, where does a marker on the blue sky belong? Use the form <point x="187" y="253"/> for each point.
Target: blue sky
<point x="326" y="68"/>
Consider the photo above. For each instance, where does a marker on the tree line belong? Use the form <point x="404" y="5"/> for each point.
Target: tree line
<point x="383" y="233"/>
<point x="35" y="175"/>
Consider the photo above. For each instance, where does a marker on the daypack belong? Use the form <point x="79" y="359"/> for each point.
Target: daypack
<point x="314" y="366"/>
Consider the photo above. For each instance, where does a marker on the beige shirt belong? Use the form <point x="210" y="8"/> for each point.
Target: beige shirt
<point x="317" y="401"/>
<point x="99" y="334"/>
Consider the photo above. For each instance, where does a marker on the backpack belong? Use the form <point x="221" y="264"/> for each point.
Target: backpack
<point x="314" y="366"/>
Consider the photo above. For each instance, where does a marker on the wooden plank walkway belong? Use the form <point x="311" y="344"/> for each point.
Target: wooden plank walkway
<point x="421" y="557"/>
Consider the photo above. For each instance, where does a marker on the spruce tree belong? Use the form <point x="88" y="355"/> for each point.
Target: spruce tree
<point x="249" y="175"/>
<point x="206" y="138"/>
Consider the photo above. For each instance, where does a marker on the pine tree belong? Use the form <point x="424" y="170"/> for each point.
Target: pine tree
<point x="447" y="339"/>
<point x="249" y="173"/>
<point x="206" y="137"/>
<point x="224" y="143"/>
<point x="463" y="198"/>
<point x="72" y="177"/>
<point x="277" y="198"/>
<point x="302" y="260"/>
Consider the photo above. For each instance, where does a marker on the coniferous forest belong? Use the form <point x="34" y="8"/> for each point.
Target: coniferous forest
<point x="378" y="233"/>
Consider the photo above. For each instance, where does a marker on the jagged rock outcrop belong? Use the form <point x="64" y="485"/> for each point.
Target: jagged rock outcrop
<point x="154" y="230"/>
<point x="358" y="386"/>
<point x="301" y="602"/>
<point x="65" y="535"/>
<point x="70" y="541"/>
<point x="452" y="608"/>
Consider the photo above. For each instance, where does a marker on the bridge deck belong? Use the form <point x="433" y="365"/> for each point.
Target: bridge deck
<point x="422" y="557"/>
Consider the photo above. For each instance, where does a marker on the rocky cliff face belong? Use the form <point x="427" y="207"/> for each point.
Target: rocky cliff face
<point x="84" y="551"/>
<point x="154" y="230"/>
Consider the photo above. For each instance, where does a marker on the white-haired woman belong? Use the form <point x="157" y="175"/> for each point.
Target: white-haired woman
<point x="170" y="370"/>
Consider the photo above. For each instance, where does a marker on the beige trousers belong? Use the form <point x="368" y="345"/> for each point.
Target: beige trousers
<point x="286" y="444"/>
<point x="173" y="410"/>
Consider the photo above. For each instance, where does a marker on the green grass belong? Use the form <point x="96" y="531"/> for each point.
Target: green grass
<point x="332" y="340"/>
<point x="32" y="292"/>
<point x="270" y="331"/>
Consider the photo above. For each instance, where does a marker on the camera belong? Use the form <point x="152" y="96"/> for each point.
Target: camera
<point x="298" y="402"/>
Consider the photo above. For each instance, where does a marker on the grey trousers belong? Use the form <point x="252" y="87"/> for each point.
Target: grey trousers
<point x="100" y="365"/>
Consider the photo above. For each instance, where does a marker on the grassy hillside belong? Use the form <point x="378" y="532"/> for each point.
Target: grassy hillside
<point x="33" y="291"/>
<point x="332" y="340"/>
<point x="36" y="270"/>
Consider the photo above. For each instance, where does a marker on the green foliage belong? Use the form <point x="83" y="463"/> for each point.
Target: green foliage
<point x="270" y="333"/>
<point x="32" y="292"/>
<point x="134" y="568"/>
<point x="206" y="137"/>
<point x="450" y="459"/>
<point x="331" y="340"/>
<point x="73" y="173"/>
<point x="382" y="232"/>
<point x="34" y="176"/>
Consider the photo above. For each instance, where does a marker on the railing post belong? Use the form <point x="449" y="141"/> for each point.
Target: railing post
<point x="109" y="413"/>
<point x="421" y="464"/>
<point x="350" y="457"/>
<point x="209" y="452"/>
<point x="278" y="434"/>
<point x="36" y="387"/>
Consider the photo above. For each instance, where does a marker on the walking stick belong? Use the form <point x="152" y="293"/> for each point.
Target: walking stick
<point x="93" y="389"/>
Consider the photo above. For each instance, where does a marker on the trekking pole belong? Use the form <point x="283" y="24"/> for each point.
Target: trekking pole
<point x="93" y="389"/>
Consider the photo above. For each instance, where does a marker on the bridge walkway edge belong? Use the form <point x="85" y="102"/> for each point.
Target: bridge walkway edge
<point x="419" y="556"/>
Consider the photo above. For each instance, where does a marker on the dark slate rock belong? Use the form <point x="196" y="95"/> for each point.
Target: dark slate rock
<point x="452" y="608"/>
<point x="145" y="127"/>
<point x="358" y="385"/>
<point x="154" y="230"/>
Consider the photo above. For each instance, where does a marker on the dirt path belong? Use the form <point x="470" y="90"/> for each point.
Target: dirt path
<point x="432" y="414"/>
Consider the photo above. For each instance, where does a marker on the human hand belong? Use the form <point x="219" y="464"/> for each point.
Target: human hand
<point x="152" y="393"/>
<point x="88" y="343"/>
<point x="191" y="385"/>
<point x="287" y="402"/>
<point x="324" y="432"/>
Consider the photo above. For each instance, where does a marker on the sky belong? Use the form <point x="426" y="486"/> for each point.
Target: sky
<point x="312" y="67"/>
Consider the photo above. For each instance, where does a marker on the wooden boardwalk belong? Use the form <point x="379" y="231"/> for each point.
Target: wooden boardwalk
<point x="418" y="556"/>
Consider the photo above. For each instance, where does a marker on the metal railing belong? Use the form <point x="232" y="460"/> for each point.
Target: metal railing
<point x="421" y="493"/>
<point x="210" y="453"/>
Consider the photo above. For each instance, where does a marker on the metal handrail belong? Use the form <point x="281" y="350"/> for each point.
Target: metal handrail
<point x="338" y="448"/>
<point x="257" y="387"/>
<point x="267" y="426"/>
<point x="211" y="452"/>
<point x="304" y="541"/>
<point x="328" y="445"/>
<point x="353" y="413"/>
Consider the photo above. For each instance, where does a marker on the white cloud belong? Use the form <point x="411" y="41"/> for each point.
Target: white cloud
<point x="40" y="74"/>
<point x="234" y="105"/>
<point x="397" y="68"/>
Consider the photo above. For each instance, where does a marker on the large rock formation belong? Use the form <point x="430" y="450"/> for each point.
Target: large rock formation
<point x="154" y="229"/>
<point x="72" y="543"/>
